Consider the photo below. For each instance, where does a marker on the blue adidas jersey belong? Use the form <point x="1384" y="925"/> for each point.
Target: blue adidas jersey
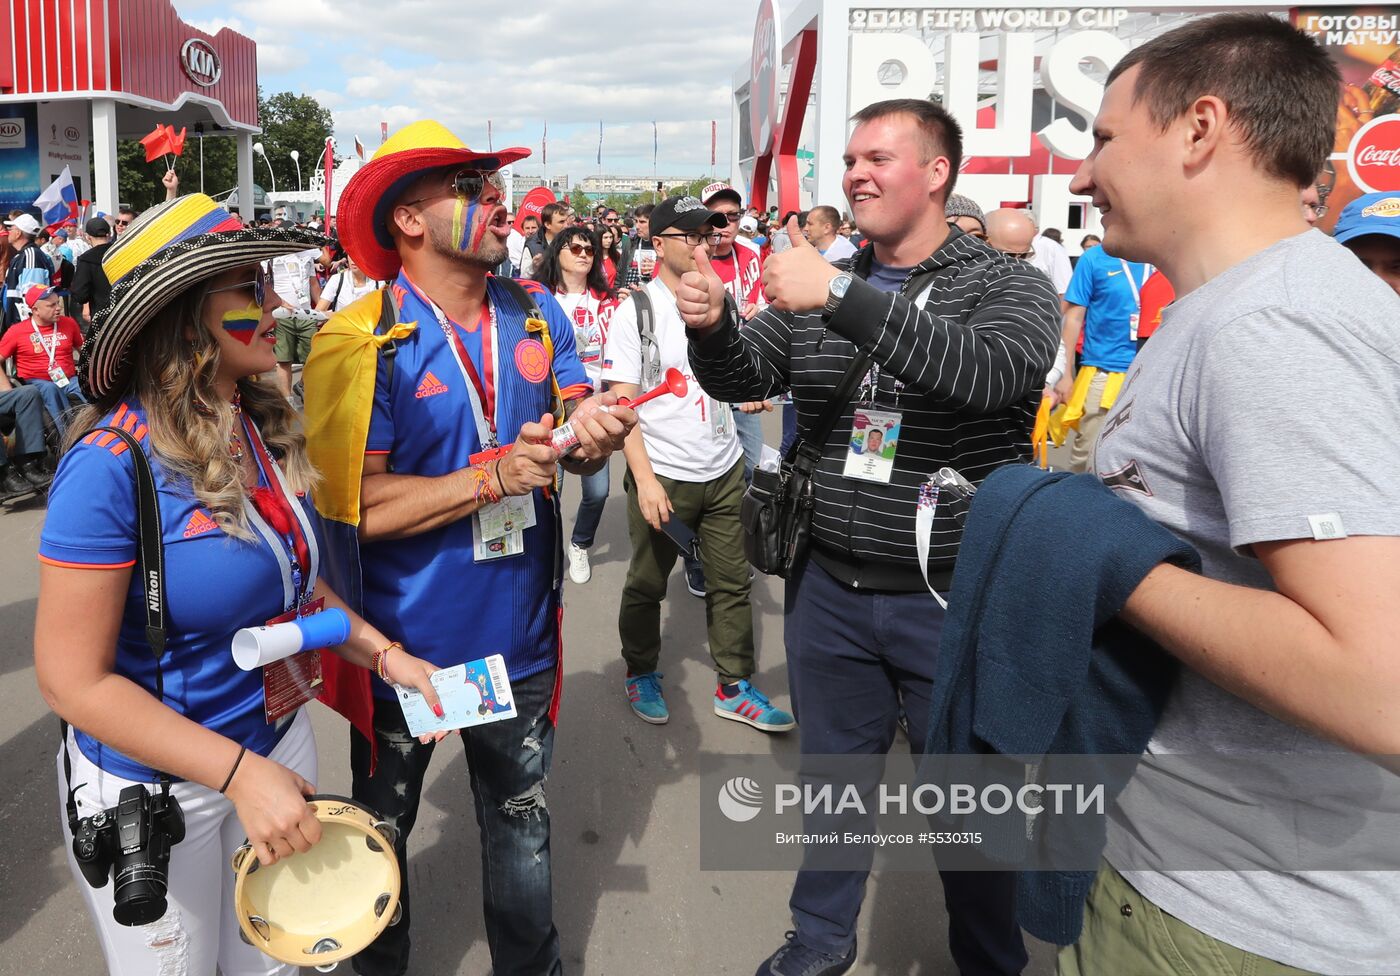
<point x="1109" y="290"/>
<point x="215" y="584"/>
<point x="428" y="590"/>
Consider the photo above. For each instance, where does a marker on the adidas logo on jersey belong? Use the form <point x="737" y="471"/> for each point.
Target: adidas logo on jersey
<point x="200" y="523"/>
<point x="431" y="386"/>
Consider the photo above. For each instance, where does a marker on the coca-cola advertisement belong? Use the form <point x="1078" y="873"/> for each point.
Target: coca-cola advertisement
<point x="1365" y="43"/>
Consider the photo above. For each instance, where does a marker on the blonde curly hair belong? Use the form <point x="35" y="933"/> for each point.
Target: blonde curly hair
<point x="174" y="360"/>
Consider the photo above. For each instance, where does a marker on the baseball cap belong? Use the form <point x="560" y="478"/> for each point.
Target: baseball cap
<point x="25" y="223"/>
<point x="748" y="224"/>
<point x="37" y="293"/>
<point x="683" y="213"/>
<point x="716" y="190"/>
<point x="98" y="227"/>
<point x="1374" y="213"/>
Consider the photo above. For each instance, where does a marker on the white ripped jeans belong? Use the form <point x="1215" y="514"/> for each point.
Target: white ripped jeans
<point x="199" y="929"/>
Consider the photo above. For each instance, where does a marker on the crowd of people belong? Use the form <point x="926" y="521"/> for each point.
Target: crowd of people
<point x="368" y="421"/>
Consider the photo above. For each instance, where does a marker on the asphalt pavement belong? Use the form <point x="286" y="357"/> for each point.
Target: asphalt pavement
<point x="629" y="894"/>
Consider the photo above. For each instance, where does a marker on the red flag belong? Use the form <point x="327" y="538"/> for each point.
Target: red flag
<point x="177" y="143"/>
<point x="383" y="132"/>
<point x="157" y="143"/>
<point x="345" y="688"/>
<point x="714" y="136"/>
<point x="359" y="149"/>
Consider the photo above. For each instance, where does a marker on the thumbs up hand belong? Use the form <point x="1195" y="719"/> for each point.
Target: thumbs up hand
<point x="700" y="294"/>
<point x="796" y="280"/>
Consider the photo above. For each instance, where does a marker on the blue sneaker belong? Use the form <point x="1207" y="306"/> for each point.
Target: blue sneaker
<point x="749" y="706"/>
<point x="644" y="693"/>
<point x="796" y="959"/>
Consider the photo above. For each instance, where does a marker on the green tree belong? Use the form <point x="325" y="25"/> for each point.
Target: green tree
<point x="289" y="122"/>
<point x="293" y="122"/>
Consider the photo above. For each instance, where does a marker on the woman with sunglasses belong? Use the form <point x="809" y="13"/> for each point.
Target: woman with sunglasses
<point x="572" y="268"/>
<point x="173" y="360"/>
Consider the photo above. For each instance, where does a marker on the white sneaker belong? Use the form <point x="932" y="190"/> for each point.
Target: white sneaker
<point x="579" y="569"/>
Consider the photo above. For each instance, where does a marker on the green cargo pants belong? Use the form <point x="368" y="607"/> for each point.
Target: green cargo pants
<point x="1127" y="935"/>
<point x="711" y="509"/>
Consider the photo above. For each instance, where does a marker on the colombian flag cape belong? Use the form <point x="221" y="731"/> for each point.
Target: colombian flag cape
<point x="339" y="380"/>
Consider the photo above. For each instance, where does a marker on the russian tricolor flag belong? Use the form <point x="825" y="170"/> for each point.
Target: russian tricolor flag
<point x="59" y="203"/>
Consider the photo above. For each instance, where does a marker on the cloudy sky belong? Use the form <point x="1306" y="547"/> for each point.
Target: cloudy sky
<point x="517" y="63"/>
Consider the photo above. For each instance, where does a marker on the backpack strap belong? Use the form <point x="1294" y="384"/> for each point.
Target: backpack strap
<point x="388" y="318"/>
<point x="646" y="331"/>
<point x="536" y="322"/>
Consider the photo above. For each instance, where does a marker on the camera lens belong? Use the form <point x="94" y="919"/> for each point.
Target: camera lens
<point x="139" y="894"/>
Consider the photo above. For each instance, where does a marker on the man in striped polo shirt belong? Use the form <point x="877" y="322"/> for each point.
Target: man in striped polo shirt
<point x="960" y="337"/>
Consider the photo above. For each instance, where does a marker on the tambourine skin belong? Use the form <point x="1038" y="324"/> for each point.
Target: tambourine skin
<point x="322" y="906"/>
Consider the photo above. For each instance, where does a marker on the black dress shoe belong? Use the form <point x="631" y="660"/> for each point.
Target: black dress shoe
<point x="34" y="473"/>
<point x="12" y="484"/>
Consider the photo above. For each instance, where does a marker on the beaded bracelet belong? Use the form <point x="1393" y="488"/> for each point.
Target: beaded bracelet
<point x="379" y="662"/>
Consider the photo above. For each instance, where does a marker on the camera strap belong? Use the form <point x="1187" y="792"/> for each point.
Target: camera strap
<point x="152" y="560"/>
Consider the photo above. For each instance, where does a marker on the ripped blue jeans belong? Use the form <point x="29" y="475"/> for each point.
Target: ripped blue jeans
<point x="507" y="763"/>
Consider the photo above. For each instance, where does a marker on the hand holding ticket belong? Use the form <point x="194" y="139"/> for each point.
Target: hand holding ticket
<point x="474" y="693"/>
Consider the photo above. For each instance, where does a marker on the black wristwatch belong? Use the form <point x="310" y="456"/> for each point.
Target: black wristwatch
<point x="835" y="291"/>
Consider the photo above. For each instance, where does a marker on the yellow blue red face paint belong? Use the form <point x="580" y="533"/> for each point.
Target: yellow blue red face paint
<point x="242" y="323"/>
<point x="464" y="215"/>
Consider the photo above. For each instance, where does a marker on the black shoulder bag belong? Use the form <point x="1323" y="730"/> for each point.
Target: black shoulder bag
<point x="776" y="513"/>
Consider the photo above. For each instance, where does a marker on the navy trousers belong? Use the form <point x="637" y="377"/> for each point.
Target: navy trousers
<point x="855" y="659"/>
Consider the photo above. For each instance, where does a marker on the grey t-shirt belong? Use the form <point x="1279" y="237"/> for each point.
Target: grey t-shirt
<point x="1269" y="395"/>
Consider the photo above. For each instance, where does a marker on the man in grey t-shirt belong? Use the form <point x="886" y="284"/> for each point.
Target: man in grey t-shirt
<point x="1260" y="425"/>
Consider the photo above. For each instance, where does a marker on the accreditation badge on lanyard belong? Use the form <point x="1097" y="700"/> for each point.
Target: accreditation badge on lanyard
<point x="1135" y="319"/>
<point x="50" y="346"/>
<point x="498" y="530"/>
<point x="293" y="681"/>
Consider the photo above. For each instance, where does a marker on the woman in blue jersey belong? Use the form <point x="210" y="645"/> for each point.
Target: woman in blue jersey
<point x="173" y="360"/>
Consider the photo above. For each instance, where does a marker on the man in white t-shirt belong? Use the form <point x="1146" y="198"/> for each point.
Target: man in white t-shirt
<point x="345" y="288"/>
<point x="685" y="468"/>
<point x="823" y="230"/>
<point x="515" y="243"/>
<point x="294" y="281"/>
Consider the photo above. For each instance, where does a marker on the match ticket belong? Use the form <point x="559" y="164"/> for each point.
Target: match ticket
<point x="474" y="693"/>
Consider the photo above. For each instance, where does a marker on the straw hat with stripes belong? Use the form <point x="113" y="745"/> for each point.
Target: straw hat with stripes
<point x="166" y="251"/>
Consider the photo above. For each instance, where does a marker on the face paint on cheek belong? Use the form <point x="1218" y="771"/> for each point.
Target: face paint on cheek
<point x="462" y="216"/>
<point x="242" y="323"/>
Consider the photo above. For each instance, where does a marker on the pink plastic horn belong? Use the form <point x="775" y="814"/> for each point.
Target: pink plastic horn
<point x="674" y="383"/>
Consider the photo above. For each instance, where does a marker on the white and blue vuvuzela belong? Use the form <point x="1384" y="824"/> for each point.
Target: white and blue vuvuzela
<point x="255" y="646"/>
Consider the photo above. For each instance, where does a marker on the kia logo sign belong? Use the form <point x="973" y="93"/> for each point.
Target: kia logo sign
<point x="201" y="62"/>
<point x="71" y="133"/>
<point x="1374" y="155"/>
<point x="8" y="130"/>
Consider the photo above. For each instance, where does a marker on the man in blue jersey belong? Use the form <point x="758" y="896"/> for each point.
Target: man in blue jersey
<point x="1104" y="300"/>
<point x="457" y="504"/>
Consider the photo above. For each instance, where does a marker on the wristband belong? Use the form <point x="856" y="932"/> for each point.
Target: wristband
<point x="229" y="779"/>
<point x="500" y="480"/>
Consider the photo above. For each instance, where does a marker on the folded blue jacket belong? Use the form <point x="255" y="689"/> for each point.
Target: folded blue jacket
<point x="1033" y="662"/>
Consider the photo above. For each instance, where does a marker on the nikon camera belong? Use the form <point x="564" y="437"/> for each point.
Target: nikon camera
<point x="131" y="843"/>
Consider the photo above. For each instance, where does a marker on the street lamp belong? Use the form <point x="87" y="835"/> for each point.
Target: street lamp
<point x="258" y="148"/>
<point x="295" y="157"/>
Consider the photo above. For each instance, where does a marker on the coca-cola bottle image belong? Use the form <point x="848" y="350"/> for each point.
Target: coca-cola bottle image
<point x="1383" y="87"/>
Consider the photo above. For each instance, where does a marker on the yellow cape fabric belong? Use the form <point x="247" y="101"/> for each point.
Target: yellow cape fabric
<point x="1067" y="417"/>
<point x="339" y="382"/>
